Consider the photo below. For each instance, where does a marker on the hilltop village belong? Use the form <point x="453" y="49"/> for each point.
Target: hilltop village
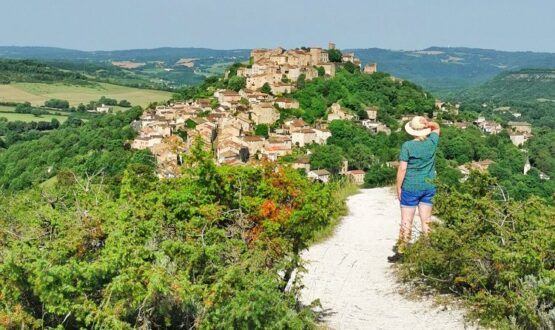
<point x="253" y="124"/>
<point x="229" y="122"/>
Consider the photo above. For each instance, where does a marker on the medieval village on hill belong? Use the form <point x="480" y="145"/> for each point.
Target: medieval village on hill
<point x="227" y="121"/>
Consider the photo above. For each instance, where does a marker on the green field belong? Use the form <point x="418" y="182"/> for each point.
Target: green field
<point x="37" y="93"/>
<point x="7" y="108"/>
<point x="29" y="117"/>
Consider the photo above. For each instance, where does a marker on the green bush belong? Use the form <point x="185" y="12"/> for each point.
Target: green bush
<point x="498" y="254"/>
<point x="213" y="249"/>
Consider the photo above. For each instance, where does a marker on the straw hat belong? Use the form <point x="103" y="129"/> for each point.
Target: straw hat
<point x="416" y="128"/>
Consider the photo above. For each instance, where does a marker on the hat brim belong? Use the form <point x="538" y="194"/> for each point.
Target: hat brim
<point x="415" y="132"/>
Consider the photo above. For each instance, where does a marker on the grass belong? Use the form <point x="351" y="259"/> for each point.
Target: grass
<point x="37" y="93"/>
<point x="29" y="117"/>
<point x="345" y="188"/>
<point x="7" y="108"/>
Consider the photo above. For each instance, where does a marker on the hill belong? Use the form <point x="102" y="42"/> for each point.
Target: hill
<point x="166" y="54"/>
<point x="523" y="85"/>
<point x="440" y="69"/>
<point x="444" y="69"/>
<point x="156" y="68"/>
<point x="527" y="94"/>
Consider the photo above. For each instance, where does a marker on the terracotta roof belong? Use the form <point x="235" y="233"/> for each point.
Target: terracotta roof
<point x="229" y="93"/>
<point x="285" y="99"/>
<point x="356" y="172"/>
<point x="253" y="138"/>
<point x="276" y="148"/>
<point x="297" y="123"/>
<point x="278" y="139"/>
<point x="321" y="172"/>
<point x="228" y="154"/>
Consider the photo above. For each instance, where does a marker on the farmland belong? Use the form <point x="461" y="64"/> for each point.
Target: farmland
<point x="37" y="93"/>
<point x="12" y="116"/>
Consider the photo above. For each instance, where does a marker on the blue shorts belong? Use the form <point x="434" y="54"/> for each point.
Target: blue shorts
<point x="413" y="198"/>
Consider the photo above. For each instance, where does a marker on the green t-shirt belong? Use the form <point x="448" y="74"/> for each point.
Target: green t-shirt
<point x="421" y="159"/>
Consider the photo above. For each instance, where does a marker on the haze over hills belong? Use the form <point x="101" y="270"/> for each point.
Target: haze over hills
<point x="169" y="54"/>
<point x="443" y="70"/>
<point x="522" y="85"/>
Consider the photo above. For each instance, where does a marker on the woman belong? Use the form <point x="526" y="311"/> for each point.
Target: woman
<point x="415" y="176"/>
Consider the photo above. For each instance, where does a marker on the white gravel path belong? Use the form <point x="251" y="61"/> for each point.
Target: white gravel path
<point x="350" y="274"/>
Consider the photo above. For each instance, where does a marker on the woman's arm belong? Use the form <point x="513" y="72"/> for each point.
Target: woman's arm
<point x="434" y="127"/>
<point x="401" y="171"/>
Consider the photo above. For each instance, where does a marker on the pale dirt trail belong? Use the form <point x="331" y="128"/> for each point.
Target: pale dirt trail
<point x="350" y="274"/>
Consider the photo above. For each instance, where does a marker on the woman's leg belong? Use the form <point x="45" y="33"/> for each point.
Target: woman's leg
<point x="407" y="217"/>
<point x="425" y="211"/>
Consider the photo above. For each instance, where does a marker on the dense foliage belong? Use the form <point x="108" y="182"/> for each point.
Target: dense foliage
<point x="96" y="147"/>
<point x="356" y="91"/>
<point x="33" y="71"/>
<point x="458" y="147"/>
<point x="530" y="92"/>
<point x="497" y="253"/>
<point x="15" y="131"/>
<point x="214" y="249"/>
<point x="523" y="85"/>
<point x="56" y="103"/>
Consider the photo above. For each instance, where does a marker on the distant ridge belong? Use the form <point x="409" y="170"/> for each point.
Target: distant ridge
<point x="443" y="70"/>
<point x="451" y="69"/>
<point x="154" y="54"/>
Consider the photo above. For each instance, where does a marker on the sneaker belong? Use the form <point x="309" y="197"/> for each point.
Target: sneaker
<point x="395" y="258"/>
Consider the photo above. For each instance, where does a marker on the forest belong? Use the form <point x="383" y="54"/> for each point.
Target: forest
<point x="33" y="71"/>
<point x="213" y="249"/>
<point x="96" y="147"/>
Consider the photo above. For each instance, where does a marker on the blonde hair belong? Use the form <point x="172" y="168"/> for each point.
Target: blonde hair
<point x="420" y="138"/>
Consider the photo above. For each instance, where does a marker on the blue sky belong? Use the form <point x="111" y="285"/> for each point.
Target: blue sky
<point x="224" y="24"/>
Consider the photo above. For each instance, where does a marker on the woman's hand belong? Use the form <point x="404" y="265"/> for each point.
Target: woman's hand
<point x="399" y="194"/>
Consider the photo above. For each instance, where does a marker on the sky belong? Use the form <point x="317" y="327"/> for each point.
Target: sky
<point x="526" y="25"/>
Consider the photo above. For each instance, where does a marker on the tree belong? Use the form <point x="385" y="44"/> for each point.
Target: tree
<point x="378" y="176"/>
<point x="124" y="103"/>
<point x="232" y="71"/>
<point x="214" y="104"/>
<point x="301" y="81"/>
<point x="335" y="55"/>
<point x="329" y="157"/>
<point x="237" y="83"/>
<point x="349" y="66"/>
<point x="56" y="103"/>
<point x="54" y="123"/>
<point x="266" y="88"/>
<point x="23" y="108"/>
<point x="107" y="101"/>
<point x="262" y="130"/>
<point x="36" y="112"/>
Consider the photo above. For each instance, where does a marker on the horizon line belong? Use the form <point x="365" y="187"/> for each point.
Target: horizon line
<point x="240" y="49"/>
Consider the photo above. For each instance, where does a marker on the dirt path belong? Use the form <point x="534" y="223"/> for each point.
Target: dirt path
<point x="350" y="274"/>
